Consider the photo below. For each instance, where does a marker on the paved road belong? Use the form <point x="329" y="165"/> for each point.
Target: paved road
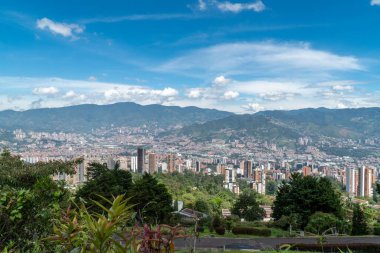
<point x="269" y="243"/>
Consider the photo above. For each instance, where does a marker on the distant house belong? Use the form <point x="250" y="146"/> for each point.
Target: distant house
<point x="188" y="215"/>
<point x="268" y="212"/>
<point x="226" y="213"/>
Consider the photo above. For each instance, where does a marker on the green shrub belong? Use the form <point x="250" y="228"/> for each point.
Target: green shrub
<point x="200" y="229"/>
<point x="251" y="231"/>
<point x="376" y="230"/>
<point x="220" y="230"/>
<point x="217" y="222"/>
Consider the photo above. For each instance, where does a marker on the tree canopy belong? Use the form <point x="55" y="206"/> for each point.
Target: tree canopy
<point x="29" y="199"/>
<point x="247" y="207"/>
<point x="152" y="201"/>
<point x="359" y="223"/>
<point x="306" y="195"/>
<point x="104" y="182"/>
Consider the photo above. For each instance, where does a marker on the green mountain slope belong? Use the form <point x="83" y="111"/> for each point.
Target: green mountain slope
<point x="83" y="118"/>
<point x="288" y="126"/>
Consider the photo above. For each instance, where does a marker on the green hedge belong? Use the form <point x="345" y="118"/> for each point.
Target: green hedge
<point x="251" y="231"/>
<point x="220" y="230"/>
<point x="376" y="230"/>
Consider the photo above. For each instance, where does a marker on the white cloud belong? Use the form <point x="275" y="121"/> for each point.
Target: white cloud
<point x="338" y="82"/>
<point x="221" y="81"/>
<point x="272" y="87"/>
<point x="343" y="88"/>
<point x="167" y="92"/>
<point x="230" y="94"/>
<point x="70" y="94"/>
<point x="202" y="6"/>
<point x="237" y="96"/>
<point x="375" y="2"/>
<point x="92" y="78"/>
<point x="195" y="92"/>
<point x="253" y="107"/>
<point x="45" y="90"/>
<point x="238" y="7"/>
<point x="139" y="94"/>
<point x="258" y="58"/>
<point x="66" y="30"/>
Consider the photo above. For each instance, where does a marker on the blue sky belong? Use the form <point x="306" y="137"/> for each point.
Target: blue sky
<point x="240" y="56"/>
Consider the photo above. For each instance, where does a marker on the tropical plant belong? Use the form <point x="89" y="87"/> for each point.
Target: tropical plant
<point x="82" y="231"/>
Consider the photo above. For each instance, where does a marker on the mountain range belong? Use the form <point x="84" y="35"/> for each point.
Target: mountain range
<point x="83" y="118"/>
<point x="279" y="126"/>
<point x="287" y="126"/>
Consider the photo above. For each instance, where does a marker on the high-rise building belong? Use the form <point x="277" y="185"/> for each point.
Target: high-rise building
<point x="188" y="164"/>
<point x="140" y="160"/>
<point x="220" y="168"/>
<point x="230" y="180"/>
<point x="152" y="157"/>
<point x="368" y="182"/>
<point x="164" y="167"/>
<point x="359" y="182"/>
<point x="246" y="168"/>
<point x="197" y="166"/>
<point x="362" y="181"/>
<point x="351" y="181"/>
<point x="306" y="171"/>
<point x="111" y="163"/>
<point x="133" y="163"/>
<point x="171" y="163"/>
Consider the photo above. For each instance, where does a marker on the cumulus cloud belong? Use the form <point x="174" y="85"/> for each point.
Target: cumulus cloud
<point x="66" y="30"/>
<point x="237" y="96"/>
<point x="221" y="81"/>
<point x="238" y="7"/>
<point x="70" y="94"/>
<point x="45" y="90"/>
<point x="120" y="93"/>
<point x="375" y="2"/>
<point x="195" y="92"/>
<point x="167" y="92"/>
<point x="253" y="107"/>
<point x="230" y="94"/>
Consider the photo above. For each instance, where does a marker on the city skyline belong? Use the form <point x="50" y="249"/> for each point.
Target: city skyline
<point x="238" y="56"/>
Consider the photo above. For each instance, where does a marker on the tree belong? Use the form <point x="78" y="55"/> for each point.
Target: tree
<point x="271" y="187"/>
<point x="247" y="206"/>
<point x="152" y="201"/>
<point x="321" y="222"/>
<point x="202" y="206"/>
<point x="29" y="200"/>
<point x="305" y="196"/>
<point x="359" y="223"/>
<point x="104" y="182"/>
